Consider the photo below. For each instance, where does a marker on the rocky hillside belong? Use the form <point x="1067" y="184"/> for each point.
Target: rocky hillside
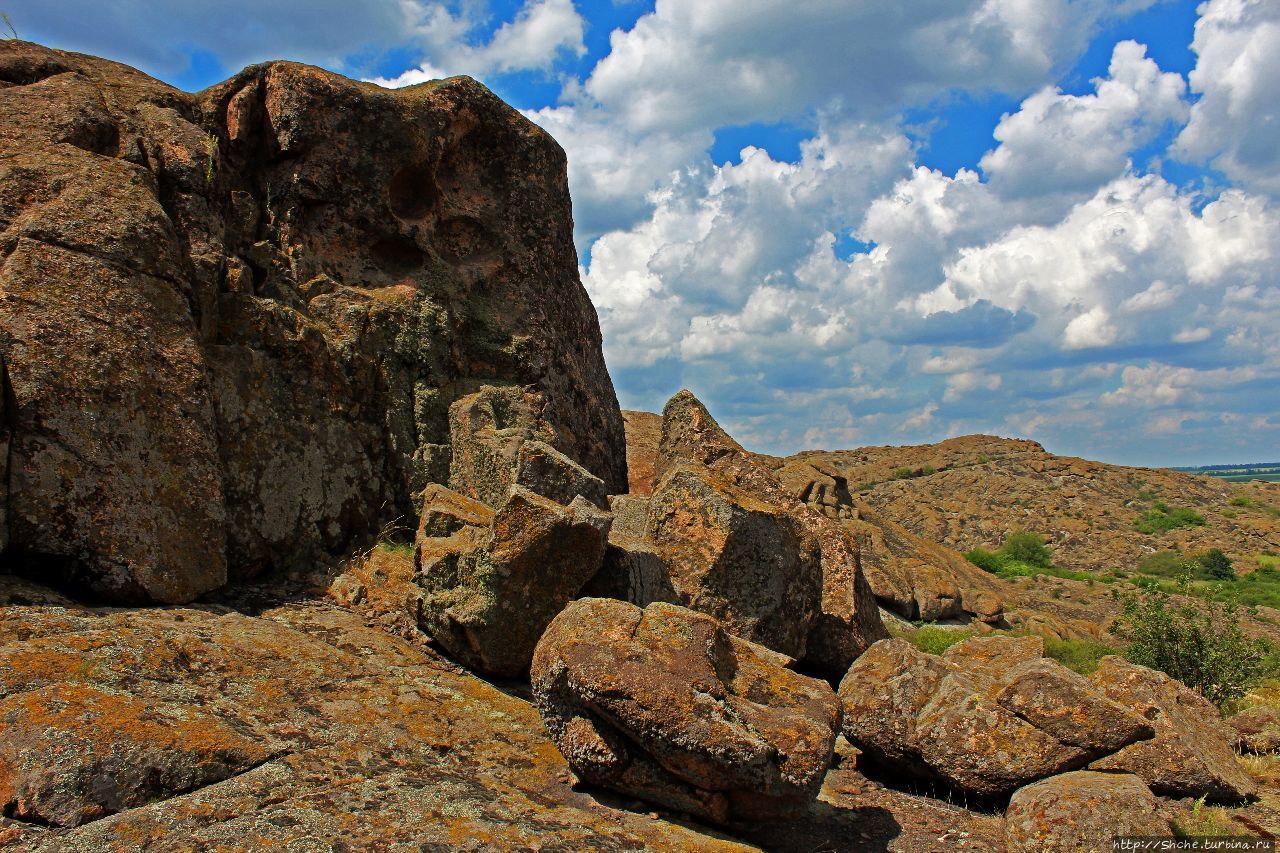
<point x="972" y="491"/>
<point x="308" y="363"/>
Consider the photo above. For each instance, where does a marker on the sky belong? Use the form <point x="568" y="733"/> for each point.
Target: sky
<point x="853" y="222"/>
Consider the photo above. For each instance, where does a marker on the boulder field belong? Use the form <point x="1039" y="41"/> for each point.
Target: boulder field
<point x="320" y="529"/>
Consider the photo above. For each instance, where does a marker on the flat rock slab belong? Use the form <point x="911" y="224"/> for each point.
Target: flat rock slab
<point x="382" y="743"/>
<point x="1082" y="810"/>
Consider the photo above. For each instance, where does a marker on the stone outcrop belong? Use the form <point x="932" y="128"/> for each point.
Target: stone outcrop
<point x="985" y="720"/>
<point x="845" y="619"/>
<point x="493" y="580"/>
<point x="1257" y="730"/>
<point x="909" y="575"/>
<point x="1081" y="810"/>
<point x="1191" y="754"/>
<point x="327" y="730"/>
<point x="663" y="704"/>
<point x="234" y="322"/>
<point x="747" y="563"/>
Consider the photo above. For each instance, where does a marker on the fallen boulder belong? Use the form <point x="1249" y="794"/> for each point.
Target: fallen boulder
<point x="663" y="704"/>
<point x="492" y="581"/>
<point x="1191" y="754"/>
<point x="1257" y="730"/>
<point x="985" y="719"/>
<point x="1081" y="810"/>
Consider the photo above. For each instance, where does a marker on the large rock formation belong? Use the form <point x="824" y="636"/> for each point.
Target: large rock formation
<point x="663" y="704"/>
<point x="234" y="322"/>
<point x="841" y="619"/>
<point x="1191" y="754"/>
<point x="987" y="719"/>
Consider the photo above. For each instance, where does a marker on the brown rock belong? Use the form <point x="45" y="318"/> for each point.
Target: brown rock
<point x="5" y="394"/>
<point x="253" y="368"/>
<point x="1081" y="811"/>
<point x="633" y="570"/>
<point x="663" y="704"/>
<point x="71" y="753"/>
<point x="1257" y="730"/>
<point x="1191" y="754"/>
<point x="1063" y="704"/>
<point x="985" y="720"/>
<point x="748" y="563"/>
<point x="993" y="657"/>
<point x="644" y="432"/>
<point x="489" y="593"/>
<point x="849" y="620"/>
<point x="384" y="745"/>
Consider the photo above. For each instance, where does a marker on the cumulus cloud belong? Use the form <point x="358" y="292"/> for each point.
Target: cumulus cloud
<point x="541" y="32"/>
<point x="1235" y="125"/>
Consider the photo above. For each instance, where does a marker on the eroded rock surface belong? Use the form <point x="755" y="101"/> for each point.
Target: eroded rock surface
<point x="984" y="720"/>
<point x="663" y="704"/>
<point x="368" y="740"/>
<point x="1191" y="754"/>
<point x="1081" y="810"/>
<point x="234" y="322"/>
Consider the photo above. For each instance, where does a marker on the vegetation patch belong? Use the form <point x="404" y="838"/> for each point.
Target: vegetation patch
<point x="1080" y="656"/>
<point x="1162" y="518"/>
<point x="1023" y="555"/>
<point x="935" y="640"/>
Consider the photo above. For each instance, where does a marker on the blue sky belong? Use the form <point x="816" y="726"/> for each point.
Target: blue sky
<point x="848" y="223"/>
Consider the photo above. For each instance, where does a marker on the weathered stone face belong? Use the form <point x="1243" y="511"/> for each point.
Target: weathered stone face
<point x="234" y="322"/>
<point x="986" y="719"/>
<point x="1081" y="811"/>
<point x="747" y="563"/>
<point x="663" y="704"/>
<point x="489" y="592"/>
<point x="1191" y="754"/>
<point x="847" y="620"/>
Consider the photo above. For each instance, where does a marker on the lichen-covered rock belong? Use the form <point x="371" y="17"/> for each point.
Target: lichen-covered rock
<point x="1191" y="754"/>
<point x="748" y="563"/>
<point x="663" y="704"/>
<point x="4" y="454"/>
<point x="72" y="753"/>
<point x="985" y="720"/>
<point x="848" y="620"/>
<point x="993" y="657"/>
<point x="1081" y="810"/>
<point x="234" y="321"/>
<point x="377" y="742"/>
<point x="1257" y="730"/>
<point x="489" y="592"/>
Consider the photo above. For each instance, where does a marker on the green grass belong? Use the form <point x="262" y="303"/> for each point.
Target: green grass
<point x="1004" y="567"/>
<point x="935" y="640"/>
<point x="1268" y="561"/>
<point x="1259" y="588"/>
<point x="1161" y="518"/>
<point x="396" y="548"/>
<point x="1081" y="656"/>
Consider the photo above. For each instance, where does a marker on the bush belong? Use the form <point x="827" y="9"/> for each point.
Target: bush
<point x="1081" y="656"/>
<point x="1026" y="548"/>
<point x="1199" y="643"/>
<point x="1164" y="564"/>
<point x="988" y="561"/>
<point x="1240" y="500"/>
<point x="1161" y="518"/>
<point x="935" y="640"/>
<point x="1215" y="565"/>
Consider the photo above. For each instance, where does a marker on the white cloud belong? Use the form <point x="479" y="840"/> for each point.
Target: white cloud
<point x="1236" y="123"/>
<point x="541" y="32"/>
<point x="1059" y="143"/>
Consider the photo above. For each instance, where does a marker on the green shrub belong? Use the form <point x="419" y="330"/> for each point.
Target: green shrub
<point x="902" y="473"/>
<point x="988" y="561"/>
<point x="1200" y="643"/>
<point x="1215" y="565"/>
<point x="1240" y="500"/>
<point x="1161" y="518"/>
<point x="1082" y="656"/>
<point x="1026" y="548"/>
<point x="1164" y="564"/>
<point x="935" y="640"/>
